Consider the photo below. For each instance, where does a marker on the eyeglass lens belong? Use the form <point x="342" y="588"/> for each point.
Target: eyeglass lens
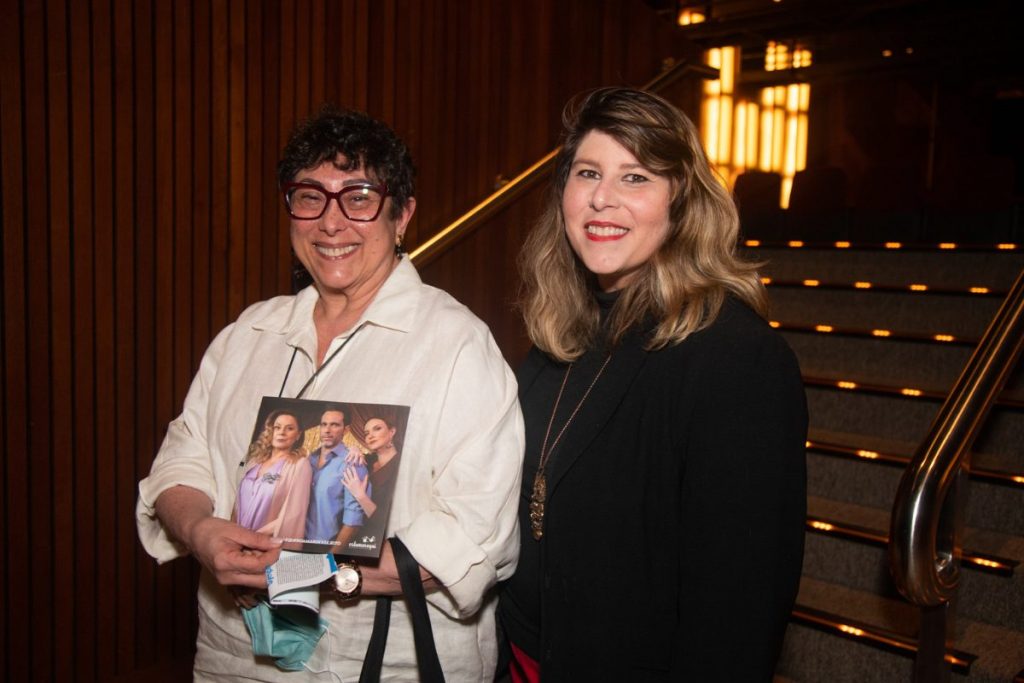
<point x="358" y="203"/>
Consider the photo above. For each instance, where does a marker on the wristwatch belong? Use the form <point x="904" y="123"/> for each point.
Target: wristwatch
<point x="348" y="580"/>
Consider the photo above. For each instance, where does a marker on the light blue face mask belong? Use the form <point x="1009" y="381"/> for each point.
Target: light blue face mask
<point x="288" y="634"/>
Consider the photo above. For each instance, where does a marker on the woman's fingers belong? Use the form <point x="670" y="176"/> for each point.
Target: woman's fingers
<point x="233" y="554"/>
<point x="353" y="482"/>
<point x="243" y="569"/>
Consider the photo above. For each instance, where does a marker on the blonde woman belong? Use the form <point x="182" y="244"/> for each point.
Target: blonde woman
<point x="663" y="497"/>
<point x="274" y="492"/>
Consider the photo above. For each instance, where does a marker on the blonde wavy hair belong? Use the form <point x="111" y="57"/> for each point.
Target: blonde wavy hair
<point x="682" y="287"/>
<point x="262" y="448"/>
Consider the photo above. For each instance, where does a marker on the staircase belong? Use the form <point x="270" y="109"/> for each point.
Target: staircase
<point x="882" y="331"/>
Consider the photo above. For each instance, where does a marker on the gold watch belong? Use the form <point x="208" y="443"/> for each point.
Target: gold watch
<point x="348" y="580"/>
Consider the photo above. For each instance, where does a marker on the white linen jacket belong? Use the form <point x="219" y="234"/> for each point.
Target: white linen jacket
<point x="455" y="498"/>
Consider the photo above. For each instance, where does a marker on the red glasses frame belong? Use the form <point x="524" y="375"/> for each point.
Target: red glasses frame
<point x="288" y="188"/>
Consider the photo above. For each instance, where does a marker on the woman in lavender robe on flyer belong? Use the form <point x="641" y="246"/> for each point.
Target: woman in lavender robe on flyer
<point x="274" y="491"/>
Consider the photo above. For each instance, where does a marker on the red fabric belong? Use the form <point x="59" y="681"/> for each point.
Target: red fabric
<point x="522" y="668"/>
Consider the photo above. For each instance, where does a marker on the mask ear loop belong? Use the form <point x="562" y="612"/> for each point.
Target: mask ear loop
<point x="328" y="670"/>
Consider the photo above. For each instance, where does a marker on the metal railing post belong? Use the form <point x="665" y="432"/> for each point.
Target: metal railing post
<point x="924" y="536"/>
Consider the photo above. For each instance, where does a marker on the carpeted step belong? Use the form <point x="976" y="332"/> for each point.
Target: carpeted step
<point x="1001" y="440"/>
<point x="859" y="413"/>
<point x="924" y="313"/>
<point x="877" y="361"/>
<point x="845" y="655"/>
<point x="989" y="506"/>
<point x="989" y="595"/>
<point x="870" y="449"/>
<point x="885" y="356"/>
<point x="859" y="346"/>
<point x="952" y="269"/>
<point x="908" y="419"/>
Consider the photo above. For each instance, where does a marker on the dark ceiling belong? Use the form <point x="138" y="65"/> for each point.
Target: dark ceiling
<point x="969" y="39"/>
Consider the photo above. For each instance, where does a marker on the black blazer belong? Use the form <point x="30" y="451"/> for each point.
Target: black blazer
<point x="675" y="514"/>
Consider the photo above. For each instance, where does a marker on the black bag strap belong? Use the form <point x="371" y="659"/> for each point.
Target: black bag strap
<point x="374" y="660"/>
<point x="423" y="635"/>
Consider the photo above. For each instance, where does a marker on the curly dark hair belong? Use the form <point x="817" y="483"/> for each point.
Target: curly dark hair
<point x="363" y="142"/>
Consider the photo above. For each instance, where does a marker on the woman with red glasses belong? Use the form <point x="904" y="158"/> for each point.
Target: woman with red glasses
<point x="367" y="330"/>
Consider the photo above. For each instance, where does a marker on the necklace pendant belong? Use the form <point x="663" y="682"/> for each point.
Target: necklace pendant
<point x="537" y="498"/>
<point x="540" y="482"/>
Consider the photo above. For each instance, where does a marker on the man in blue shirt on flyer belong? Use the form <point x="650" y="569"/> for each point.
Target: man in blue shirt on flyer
<point x="334" y="514"/>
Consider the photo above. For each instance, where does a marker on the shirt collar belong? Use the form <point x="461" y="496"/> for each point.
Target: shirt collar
<point x="393" y="307"/>
<point x="336" y="452"/>
<point x="398" y="300"/>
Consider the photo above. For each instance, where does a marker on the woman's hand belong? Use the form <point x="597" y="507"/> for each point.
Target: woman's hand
<point x="234" y="555"/>
<point x="357" y="487"/>
<point x="355" y="457"/>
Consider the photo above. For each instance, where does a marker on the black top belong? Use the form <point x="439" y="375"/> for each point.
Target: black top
<point x="521" y="599"/>
<point x="674" y="520"/>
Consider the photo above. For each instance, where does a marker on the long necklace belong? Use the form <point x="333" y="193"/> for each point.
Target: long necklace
<point x="540" y="482"/>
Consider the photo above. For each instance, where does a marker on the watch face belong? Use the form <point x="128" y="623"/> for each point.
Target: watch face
<point x="347" y="579"/>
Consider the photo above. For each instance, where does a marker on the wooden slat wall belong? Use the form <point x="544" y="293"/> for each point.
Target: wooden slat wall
<point x="139" y="140"/>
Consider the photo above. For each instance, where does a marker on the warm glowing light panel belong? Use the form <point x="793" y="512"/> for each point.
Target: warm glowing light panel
<point x="767" y="134"/>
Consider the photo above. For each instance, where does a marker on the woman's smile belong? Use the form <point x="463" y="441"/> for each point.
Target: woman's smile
<point x="602" y="231"/>
<point x="335" y="252"/>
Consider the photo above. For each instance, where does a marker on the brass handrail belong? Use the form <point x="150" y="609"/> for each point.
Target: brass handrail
<point x="474" y="218"/>
<point x="923" y="545"/>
